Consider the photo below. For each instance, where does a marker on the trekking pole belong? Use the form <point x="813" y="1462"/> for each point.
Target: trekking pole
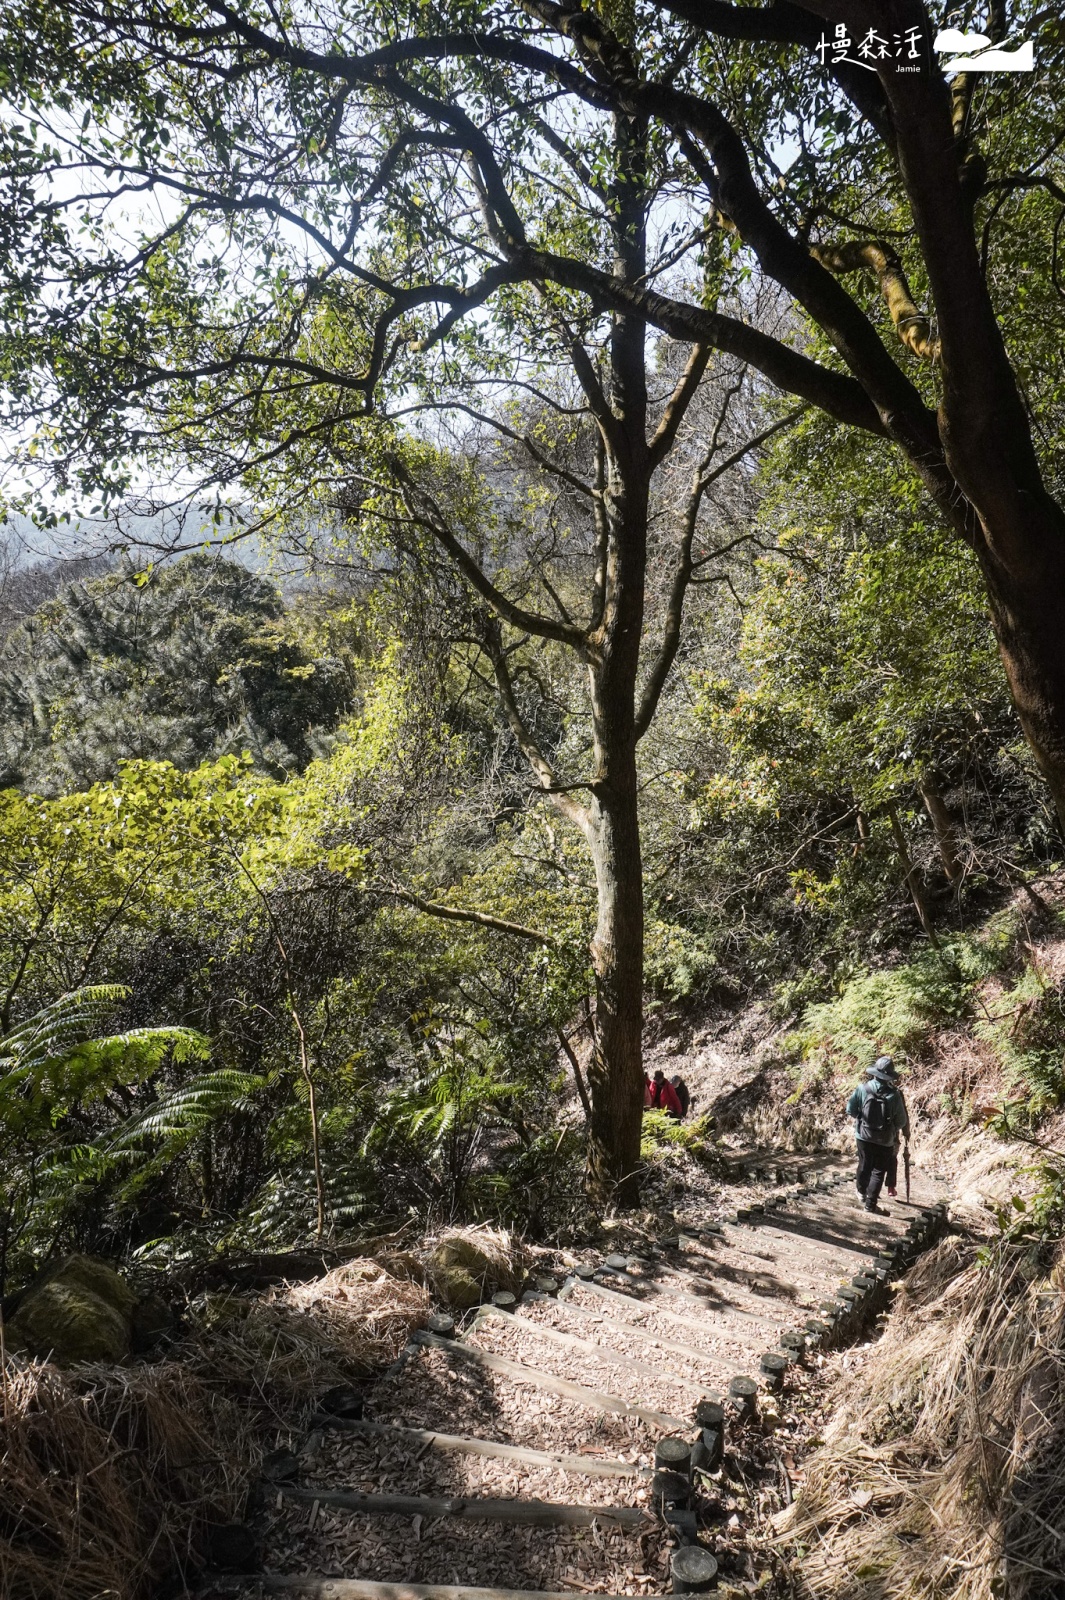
<point x="906" y="1164"/>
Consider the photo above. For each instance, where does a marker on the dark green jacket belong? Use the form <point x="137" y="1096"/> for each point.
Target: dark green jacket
<point x="897" y="1118"/>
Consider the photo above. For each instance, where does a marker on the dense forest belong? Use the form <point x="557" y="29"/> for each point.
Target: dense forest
<point x="595" y="676"/>
<point x="304" y="831"/>
<point x="561" y="551"/>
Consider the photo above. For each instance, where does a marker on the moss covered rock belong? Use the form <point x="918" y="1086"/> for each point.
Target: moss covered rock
<point x="456" y="1287"/>
<point x="464" y="1274"/>
<point x="78" y="1310"/>
<point x="458" y="1250"/>
<point x="85" y="1272"/>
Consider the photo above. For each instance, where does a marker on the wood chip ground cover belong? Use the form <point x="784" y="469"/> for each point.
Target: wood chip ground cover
<point x="393" y="1549"/>
<point x="725" y="1349"/>
<point x="455" y="1397"/>
<point x="370" y="1465"/>
<point x="787" y="1260"/>
<point x="729" y="1344"/>
<point x="703" y="1368"/>
<point x="727" y="1301"/>
<point x="749" y="1284"/>
<point x="521" y="1343"/>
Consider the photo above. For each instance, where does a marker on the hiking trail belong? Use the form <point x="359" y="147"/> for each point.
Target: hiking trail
<point x="516" y="1455"/>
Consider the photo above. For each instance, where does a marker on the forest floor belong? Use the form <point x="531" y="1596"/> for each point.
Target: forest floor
<point x="519" y="1455"/>
<point x="684" y="1298"/>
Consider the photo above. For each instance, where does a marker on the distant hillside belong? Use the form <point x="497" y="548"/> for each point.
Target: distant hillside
<point x="100" y="662"/>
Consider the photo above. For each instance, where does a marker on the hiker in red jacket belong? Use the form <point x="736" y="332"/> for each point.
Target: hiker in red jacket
<point x="661" y="1095"/>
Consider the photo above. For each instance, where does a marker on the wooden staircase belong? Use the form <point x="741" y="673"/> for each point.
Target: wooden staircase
<point x="595" y="1438"/>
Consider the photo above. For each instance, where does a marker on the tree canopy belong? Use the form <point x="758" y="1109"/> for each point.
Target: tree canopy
<point x="478" y="311"/>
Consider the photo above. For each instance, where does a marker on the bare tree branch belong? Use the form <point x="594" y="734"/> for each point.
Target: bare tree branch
<point x="427" y="513"/>
<point x="546" y="776"/>
<point x="671" y="631"/>
<point x="677" y="405"/>
<point x="482" y="919"/>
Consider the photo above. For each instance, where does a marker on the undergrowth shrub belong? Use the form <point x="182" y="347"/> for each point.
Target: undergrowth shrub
<point x="678" y="961"/>
<point x="1025" y="1028"/>
<point x="662" y="1134"/>
<point x="896" y="1010"/>
<point x="534" y="1185"/>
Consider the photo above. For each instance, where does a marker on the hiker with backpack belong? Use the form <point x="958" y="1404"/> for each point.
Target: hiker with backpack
<point x="893" y="1164"/>
<point x="880" y="1119"/>
<point x="683" y="1093"/>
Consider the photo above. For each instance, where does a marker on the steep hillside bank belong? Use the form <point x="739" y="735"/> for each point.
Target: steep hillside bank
<point x="976" y="1025"/>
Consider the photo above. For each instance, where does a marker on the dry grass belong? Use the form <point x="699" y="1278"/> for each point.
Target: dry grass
<point x="943" y="1477"/>
<point x="283" y="1348"/>
<point x="110" y="1478"/>
<point x="985" y="1171"/>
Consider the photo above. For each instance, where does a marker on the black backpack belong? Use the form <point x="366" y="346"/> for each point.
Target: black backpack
<point x="874" y="1120"/>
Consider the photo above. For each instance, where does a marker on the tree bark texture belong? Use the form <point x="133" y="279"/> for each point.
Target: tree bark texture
<point x="944" y="829"/>
<point x="613" y="827"/>
<point x="616" y="1073"/>
<point x="1007" y="514"/>
<point x="1022" y="556"/>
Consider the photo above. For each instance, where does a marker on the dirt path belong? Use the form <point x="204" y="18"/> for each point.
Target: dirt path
<point x="518" y="1457"/>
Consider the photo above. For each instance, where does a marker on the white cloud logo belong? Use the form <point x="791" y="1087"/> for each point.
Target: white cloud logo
<point x="972" y="52"/>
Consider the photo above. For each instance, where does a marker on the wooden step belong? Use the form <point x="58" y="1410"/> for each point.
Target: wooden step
<point x="593" y="1399"/>
<point x="633" y="1330"/>
<point x="773" y="1231"/>
<point x="659" y="1305"/>
<point x="525" y="1513"/>
<point x="787" y="1241"/>
<point x="583" y="1466"/>
<point x="602" y="1353"/>
<point x="680" y="1288"/>
<point x="313" y="1587"/>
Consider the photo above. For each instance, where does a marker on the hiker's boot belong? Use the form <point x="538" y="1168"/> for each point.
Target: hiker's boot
<point x="871" y="1205"/>
<point x="893" y="1194"/>
<point x="860" y="1193"/>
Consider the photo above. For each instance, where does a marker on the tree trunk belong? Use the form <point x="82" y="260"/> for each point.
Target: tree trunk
<point x="863" y="834"/>
<point x="943" y="826"/>
<point x="613" y="828"/>
<point x="1016" y="528"/>
<point x="1023" y="563"/>
<point x="615" y="1074"/>
<point x="913" y="880"/>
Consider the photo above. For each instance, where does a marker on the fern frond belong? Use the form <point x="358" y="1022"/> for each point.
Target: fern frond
<point x="59" y="1058"/>
<point x="178" y="1117"/>
<point x="64" y="1023"/>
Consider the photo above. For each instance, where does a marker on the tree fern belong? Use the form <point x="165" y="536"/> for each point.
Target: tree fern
<point x="52" y="1067"/>
<point x="57" y="1059"/>
<point x="285" y="1208"/>
<point x="151" y="1141"/>
<point x="438" y="1118"/>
